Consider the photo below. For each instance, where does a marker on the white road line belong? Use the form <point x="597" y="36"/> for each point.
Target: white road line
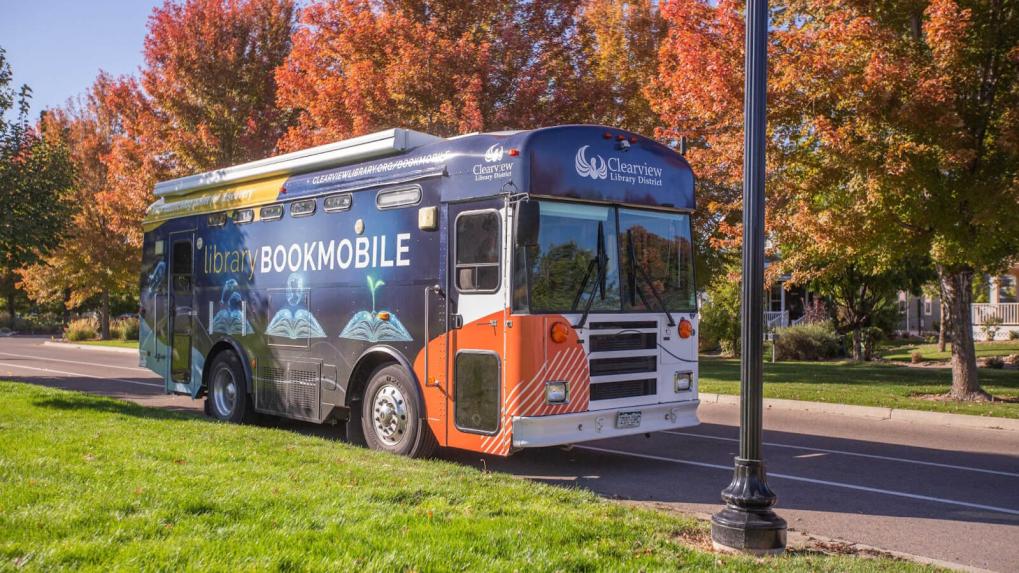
<point x="79" y="374"/>
<point x="857" y="454"/>
<point x="101" y="365"/>
<point x="810" y="480"/>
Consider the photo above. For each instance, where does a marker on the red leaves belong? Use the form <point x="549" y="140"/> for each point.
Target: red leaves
<point x="210" y="74"/>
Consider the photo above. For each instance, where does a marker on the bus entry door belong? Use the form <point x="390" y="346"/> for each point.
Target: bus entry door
<point x="477" y="315"/>
<point x="181" y="312"/>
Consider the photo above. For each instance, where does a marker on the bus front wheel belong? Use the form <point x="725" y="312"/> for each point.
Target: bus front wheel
<point x="227" y="396"/>
<point x="390" y="415"/>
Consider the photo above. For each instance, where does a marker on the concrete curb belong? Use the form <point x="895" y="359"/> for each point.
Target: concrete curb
<point x="72" y="346"/>
<point x="875" y="413"/>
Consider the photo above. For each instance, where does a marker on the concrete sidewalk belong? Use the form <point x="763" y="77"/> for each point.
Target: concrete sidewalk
<point x="875" y="412"/>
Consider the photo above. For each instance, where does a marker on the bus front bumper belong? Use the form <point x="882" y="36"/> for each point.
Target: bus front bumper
<point x="542" y="431"/>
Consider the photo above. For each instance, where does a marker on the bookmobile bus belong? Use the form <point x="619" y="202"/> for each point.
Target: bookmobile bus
<point x="489" y="292"/>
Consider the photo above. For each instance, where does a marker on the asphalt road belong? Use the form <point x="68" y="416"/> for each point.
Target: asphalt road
<point x="948" y="494"/>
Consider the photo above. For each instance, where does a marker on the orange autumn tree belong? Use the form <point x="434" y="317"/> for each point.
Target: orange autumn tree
<point x="100" y="253"/>
<point x="623" y="38"/>
<point x="444" y="67"/>
<point x="698" y="95"/>
<point x="210" y="73"/>
<point x="912" y="142"/>
<point x="893" y="136"/>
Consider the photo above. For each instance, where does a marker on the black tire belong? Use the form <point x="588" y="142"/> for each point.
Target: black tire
<point x="391" y="416"/>
<point x="221" y="402"/>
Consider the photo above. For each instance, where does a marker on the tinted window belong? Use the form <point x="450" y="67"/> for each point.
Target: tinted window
<point x="478" y="240"/>
<point x="302" y="208"/>
<point x="181" y="258"/>
<point x="336" y="202"/>
<point x="573" y="241"/>
<point x="477" y="391"/>
<point x="663" y="266"/>
<point x="271" y="212"/>
<point x="244" y="216"/>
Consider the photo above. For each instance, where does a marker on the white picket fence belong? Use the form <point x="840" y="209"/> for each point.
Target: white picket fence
<point x="1007" y="312"/>
<point x="776" y="319"/>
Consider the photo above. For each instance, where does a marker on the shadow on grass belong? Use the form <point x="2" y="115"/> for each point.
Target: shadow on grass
<point x="78" y="402"/>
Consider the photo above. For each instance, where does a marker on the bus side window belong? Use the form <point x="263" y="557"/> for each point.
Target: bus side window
<point x="181" y="267"/>
<point x="478" y="244"/>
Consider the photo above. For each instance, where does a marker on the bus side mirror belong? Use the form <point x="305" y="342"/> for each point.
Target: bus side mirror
<point x="527" y="223"/>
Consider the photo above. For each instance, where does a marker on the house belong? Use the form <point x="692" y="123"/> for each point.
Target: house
<point x="784" y="304"/>
<point x="999" y="301"/>
<point x="1002" y="306"/>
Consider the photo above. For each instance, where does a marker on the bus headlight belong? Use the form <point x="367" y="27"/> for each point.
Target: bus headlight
<point x="682" y="381"/>
<point x="556" y="392"/>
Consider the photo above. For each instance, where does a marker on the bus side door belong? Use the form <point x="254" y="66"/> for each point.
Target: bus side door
<point x="477" y="315"/>
<point x="181" y="312"/>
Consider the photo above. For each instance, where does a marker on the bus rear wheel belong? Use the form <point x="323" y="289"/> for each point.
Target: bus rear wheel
<point x="227" y="396"/>
<point x="390" y="415"/>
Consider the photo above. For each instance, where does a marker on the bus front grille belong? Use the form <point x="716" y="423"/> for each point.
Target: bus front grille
<point x="623" y="359"/>
<point x="626" y="365"/>
<point x="624" y="389"/>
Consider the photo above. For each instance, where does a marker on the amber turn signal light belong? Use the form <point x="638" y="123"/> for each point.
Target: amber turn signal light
<point x="685" y="328"/>
<point x="559" y="332"/>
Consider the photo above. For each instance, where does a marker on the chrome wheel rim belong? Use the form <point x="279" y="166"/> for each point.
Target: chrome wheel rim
<point x="224" y="392"/>
<point x="389" y="414"/>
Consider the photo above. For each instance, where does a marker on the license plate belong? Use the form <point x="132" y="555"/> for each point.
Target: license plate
<point x="628" y="420"/>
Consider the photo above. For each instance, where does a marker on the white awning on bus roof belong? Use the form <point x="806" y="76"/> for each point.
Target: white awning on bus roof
<point x="371" y="146"/>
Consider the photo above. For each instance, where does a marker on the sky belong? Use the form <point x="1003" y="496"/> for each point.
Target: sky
<point x="57" y="47"/>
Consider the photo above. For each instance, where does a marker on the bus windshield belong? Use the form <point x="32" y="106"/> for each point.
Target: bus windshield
<point x="617" y="259"/>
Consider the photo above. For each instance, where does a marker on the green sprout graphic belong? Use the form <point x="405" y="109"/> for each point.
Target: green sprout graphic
<point x="373" y="285"/>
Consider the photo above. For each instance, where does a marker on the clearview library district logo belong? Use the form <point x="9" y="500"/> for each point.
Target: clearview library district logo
<point x="615" y="169"/>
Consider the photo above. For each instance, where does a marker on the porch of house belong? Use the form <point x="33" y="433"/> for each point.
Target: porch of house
<point x="785" y="307"/>
<point x="1001" y="318"/>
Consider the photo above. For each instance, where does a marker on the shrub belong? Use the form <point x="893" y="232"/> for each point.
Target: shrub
<point x="807" y="342"/>
<point x="125" y="328"/>
<point x="82" y="329"/>
<point x="995" y="362"/>
<point x="1013" y="334"/>
<point x="870" y="337"/>
<point x="720" y="321"/>
<point x="991" y="326"/>
<point x="916" y="357"/>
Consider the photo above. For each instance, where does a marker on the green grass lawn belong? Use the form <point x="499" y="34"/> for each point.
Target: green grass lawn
<point x="115" y="343"/>
<point x="100" y="484"/>
<point x="865" y="384"/>
<point x="903" y="353"/>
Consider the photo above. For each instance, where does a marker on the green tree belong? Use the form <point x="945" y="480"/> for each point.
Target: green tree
<point x="908" y="141"/>
<point x="35" y="178"/>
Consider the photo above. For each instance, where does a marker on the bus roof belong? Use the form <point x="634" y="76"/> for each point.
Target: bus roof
<point x="354" y="150"/>
<point x="572" y="162"/>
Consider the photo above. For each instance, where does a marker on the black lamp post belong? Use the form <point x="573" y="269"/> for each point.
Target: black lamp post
<point x="747" y="523"/>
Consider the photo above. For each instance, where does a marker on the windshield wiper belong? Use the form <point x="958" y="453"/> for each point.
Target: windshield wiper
<point x="601" y="262"/>
<point x="632" y="255"/>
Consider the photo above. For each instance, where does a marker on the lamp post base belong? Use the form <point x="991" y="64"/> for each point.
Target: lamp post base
<point x="747" y="524"/>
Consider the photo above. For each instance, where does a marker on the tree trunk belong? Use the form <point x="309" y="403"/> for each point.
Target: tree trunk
<point x="957" y="288"/>
<point x="858" y="353"/>
<point x="10" y="309"/>
<point x="942" y="324"/>
<point x="104" y="317"/>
